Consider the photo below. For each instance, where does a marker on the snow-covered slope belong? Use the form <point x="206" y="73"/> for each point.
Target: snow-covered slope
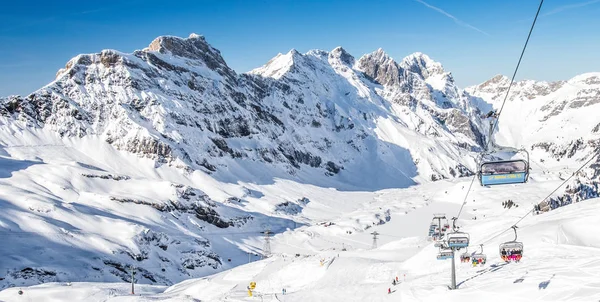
<point x="82" y="210"/>
<point x="559" y="262"/>
<point x="167" y="160"/>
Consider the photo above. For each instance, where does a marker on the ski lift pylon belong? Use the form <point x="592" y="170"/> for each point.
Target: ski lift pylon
<point x="436" y="230"/>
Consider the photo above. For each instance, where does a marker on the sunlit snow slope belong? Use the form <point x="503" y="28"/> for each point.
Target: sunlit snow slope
<point x="559" y="264"/>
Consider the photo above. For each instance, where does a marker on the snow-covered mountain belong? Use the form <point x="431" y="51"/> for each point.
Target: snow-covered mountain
<point x="167" y="160"/>
<point x="177" y="101"/>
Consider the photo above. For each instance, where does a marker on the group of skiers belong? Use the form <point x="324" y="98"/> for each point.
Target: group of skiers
<point x="511" y="255"/>
<point x="474" y="260"/>
<point x="477" y="261"/>
<point x="394" y="282"/>
<point x="509" y="204"/>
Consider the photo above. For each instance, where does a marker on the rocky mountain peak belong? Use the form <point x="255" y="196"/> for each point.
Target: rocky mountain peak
<point x="422" y="64"/>
<point x="380" y="67"/>
<point x="380" y="56"/>
<point x="278" y="65"/>
<point x="293" y="52"/>
<point x="194" y="47"/>
<point x="496" y="80"/>
<point x="341" y="54"/>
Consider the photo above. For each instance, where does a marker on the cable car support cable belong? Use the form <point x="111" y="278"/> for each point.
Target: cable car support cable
<point x="505" y="98"/>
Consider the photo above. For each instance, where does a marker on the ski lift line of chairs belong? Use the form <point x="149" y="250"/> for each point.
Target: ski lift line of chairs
<point x="500" y="172"/>
<point x="511" y="250"/>
<point x="437" y="229"/>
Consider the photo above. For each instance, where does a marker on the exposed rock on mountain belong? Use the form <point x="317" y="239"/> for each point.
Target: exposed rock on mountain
<point x="178" y="102"/>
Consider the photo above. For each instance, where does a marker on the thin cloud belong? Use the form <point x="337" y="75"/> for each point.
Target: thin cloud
<point x="570" y="6"/>
<point x="456" y="20"/>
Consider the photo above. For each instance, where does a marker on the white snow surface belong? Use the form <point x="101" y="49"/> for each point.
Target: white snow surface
<point x="168" y="162"/>
<point x="560" y="257"/>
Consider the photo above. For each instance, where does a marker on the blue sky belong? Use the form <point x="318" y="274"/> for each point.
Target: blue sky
<point x="473" y="39"/>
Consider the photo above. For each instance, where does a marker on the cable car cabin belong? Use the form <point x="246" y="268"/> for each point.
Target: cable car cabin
<point x="511" y="251"/>
<point x="458" y="240"/>
<point x="443" y="255"/>
<point x="503" y="172"/>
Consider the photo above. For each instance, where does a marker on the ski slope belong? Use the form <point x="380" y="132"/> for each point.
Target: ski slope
<point x="560" y="260"/>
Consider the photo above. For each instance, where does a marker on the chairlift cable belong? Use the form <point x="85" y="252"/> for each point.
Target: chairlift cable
<point x="516" y="69"/>
<point x="505" y="98"/>
<point x="549" y="195"/>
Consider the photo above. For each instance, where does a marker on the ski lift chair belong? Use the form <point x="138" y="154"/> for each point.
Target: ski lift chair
<point x="479" y="258"/>
<point x="511" y="250"/>
<point x="439" y="216"/>
<point x="465" y="257"/>
<point x="500" y="172"/>
<point x="445" y="254"/>
<point x="457" y="239"/>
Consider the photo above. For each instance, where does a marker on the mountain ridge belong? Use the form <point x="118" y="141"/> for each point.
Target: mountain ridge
<point x="190" y="69"/>
<point x="171" y="146"/>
